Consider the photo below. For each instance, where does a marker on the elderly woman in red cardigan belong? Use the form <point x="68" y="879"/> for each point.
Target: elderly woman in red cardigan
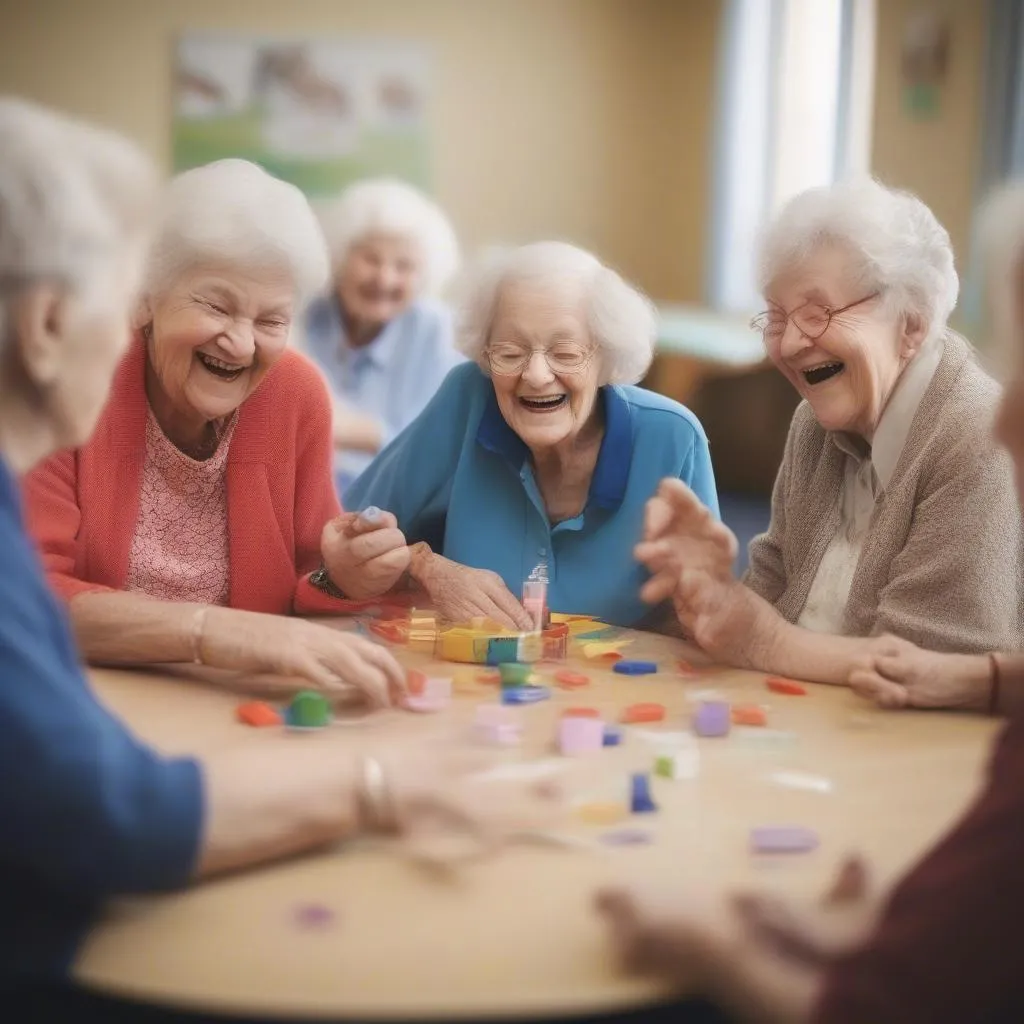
<point x="202" y="511"/>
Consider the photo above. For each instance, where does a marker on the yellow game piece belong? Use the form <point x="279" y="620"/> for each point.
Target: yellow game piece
<point x="599" y="648"/>
<point x="605" y="812"/>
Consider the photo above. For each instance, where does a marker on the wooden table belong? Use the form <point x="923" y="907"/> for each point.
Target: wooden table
<point x="517" y="935"/>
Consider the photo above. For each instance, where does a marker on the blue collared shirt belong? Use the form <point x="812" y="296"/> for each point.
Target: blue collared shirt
<point x="460" y="478"/>
<point x="393" y="377"/>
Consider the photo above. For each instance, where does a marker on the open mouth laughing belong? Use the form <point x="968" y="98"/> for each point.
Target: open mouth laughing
<point x="823" y="372"/>
<point x="543" y="403"/>
<point x="219" y="368"/>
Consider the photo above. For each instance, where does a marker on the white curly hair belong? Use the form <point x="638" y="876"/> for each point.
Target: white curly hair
<point x="233" y="213"/>
<point x="387" y="206"/>
<point x="622" y="321"/>
<point x="896" y="245"/>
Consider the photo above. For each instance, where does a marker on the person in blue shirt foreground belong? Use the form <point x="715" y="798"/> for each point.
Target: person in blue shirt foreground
<point x="382" y="338"/>
<point x="88" y="811"/>
<point x="535" y="460"/>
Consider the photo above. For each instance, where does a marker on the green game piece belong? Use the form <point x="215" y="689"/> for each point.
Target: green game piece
<point x="665" y="765"/>
<point x="514" y="674"/>
<point x="308" y="710"/>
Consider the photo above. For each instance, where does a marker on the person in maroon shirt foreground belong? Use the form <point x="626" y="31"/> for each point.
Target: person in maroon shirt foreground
<point x="945" y="945"/>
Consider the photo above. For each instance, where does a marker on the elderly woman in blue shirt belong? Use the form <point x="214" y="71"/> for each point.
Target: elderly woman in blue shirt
<point x="381" y="338"/>
<point x="89" y="812"/>
<point x="534" y="460"/>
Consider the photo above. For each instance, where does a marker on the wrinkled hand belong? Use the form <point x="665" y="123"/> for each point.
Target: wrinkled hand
<point x="365" y="555"/>
<point x="449" y="812"/>
<point x="459" y="593"/>
<point x="895" y="673"/>
<point x="321" y="658"/>
<point x="681" y="534"/>
<point x="814" y="933"/>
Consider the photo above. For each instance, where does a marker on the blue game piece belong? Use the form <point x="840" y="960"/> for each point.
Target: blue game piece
<point x="612" y="736"/>
<point x="635" y="668"/>
<point x="524" y="694"/>
<point x="640" y="800"/>
<point x="371" y="514"/>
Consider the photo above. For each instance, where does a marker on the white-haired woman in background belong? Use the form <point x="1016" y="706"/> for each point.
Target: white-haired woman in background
<point x="204" y="500"/>
<point x="89" y="813"/>
<point x="893" y="511"/>
<point x="381" y="337"/>
<point x="536" y="459"/>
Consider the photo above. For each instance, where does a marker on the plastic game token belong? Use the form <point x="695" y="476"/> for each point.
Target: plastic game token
<point x="581" y="713"/>
<point x="643" y="713"/>
<point x="524" y="694"/>
<point x="779" y="685"/>
<point x="570" y="680"/>
<point x="635" y="668"/>
<point x="783" y="839"/>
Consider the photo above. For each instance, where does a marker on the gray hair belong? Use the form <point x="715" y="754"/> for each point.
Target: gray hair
<point x="233" y="213"/>
<point x="386" y="206"/>
<point x="621" y="320"/>
<point x="71" y="197"/>
<point x="895" y="242"/>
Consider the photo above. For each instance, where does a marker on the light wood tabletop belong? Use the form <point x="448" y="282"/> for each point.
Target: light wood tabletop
<point x="361" y="931"/>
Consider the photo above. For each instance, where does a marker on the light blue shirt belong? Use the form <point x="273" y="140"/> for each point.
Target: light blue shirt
<point x="460" y="478"/>
<point x="392" y="378"/>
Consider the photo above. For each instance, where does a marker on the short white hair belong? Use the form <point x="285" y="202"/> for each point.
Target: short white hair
<point x="895" y="242"/>
<point x="621" y="320"/>
<point x="72" y="196"/>
<point x="387" y="206"/>
<point x="233" y="213"/>
<point x="1001" y="235"/>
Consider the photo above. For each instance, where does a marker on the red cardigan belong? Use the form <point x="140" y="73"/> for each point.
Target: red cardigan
<point x="82" y="505"/>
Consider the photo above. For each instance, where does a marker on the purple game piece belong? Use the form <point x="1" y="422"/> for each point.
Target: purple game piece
<point x="783" y="839"/>
<point x="313" y="915"/>
<point x="627" y="837"/>
<point x="712" y="718"/>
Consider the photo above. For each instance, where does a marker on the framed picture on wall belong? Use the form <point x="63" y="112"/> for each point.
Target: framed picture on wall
<point x="316" y="112"/>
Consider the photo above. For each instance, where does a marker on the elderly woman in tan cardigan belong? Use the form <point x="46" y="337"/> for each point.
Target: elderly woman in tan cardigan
<point x="893" y="512"/>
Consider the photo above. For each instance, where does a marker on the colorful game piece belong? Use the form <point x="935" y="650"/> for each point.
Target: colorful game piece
<point x="627" y="837"/>
<point x="612" y="736"/>
<point x="636" y="713"/>
<point x="779" y="685"/>
<point x="308" y="710"/>
<point x="535" y="601"/>
<point x="394" y="631"/>
<point x="602" y="812"/>
<point x="599" y="648"/>
<point x="570" y="680"/>
<point x="435" y="694"/>
<point x="640" y="794"/>
<point x="524" y="694"/>
<point x="802" y="780"/>
<point x="678" y="763"/>
<point x="635" y="668"/>
<point x="490" y="676"/>
<point x="581" y="713"/>
<point x="555" y="642"/>
<point x="685" y="668"/>
<point x="495" y="724"/>
<point x="712" y="718"/>
<point x="258" y="714"/>
<point x="514" y="674"/>
<point x="783" y="839"/>
<point x="749" y="714"/>
<point x="612" y="656"/>
<point x="580" y="735"/>
<point x="314" y="915"/>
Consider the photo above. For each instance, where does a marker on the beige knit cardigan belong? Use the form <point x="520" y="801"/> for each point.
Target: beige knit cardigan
<point x="941" y="563"/>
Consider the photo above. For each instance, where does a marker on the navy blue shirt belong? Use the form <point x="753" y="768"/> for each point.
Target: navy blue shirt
<point x="461" y="478"/>
<point x="87" y="812"/>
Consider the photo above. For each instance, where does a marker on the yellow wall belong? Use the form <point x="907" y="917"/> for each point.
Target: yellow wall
<point x="938" y="157"/>
<point x="582" y="119"/>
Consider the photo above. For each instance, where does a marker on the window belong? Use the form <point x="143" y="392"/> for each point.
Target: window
<point x="795" y="95"/>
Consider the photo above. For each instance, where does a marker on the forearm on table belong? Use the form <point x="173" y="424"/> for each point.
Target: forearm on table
<point x="758" y="987"/>
<point x="268" y="802"/>
<point x="818" y="657"/>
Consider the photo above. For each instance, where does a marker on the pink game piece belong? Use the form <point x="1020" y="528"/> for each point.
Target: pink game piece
<point x="495" y="724"/>
<point x="578" y="735"/>
<point x="435" y="694"/>
<point x="783" y="839"/>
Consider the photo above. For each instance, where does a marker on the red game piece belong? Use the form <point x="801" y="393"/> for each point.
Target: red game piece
<point x="258" y="714"/>
<point x="685" y="668"/>
<point x="643" y="713"/>
<point x="581" y="713"/>
<point x="491" y="677"/>
<point x="415" y="682"/>
<point x="779" y="685"/>
<point x="611" y="656"/>
<point x="570" y="680"/>
<point x="749" y="714"/>
<point x="393" y="632"/>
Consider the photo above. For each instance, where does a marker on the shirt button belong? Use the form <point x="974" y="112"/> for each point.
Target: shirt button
<point x="542" y="551"/>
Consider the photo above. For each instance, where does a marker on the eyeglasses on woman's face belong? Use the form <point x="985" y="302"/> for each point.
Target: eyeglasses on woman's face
<point x="812" y="319"/>
<point x="564" y="357"/>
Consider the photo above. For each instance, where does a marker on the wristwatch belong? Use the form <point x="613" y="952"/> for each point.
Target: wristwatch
<point x="321" y="579"/>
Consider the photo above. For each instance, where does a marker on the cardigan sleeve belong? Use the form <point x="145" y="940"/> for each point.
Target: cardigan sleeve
<point x="956" y="584"/>
<point x="766" y="574"/>
<point x="53" y="517"/>
<point x="946" y="948"/>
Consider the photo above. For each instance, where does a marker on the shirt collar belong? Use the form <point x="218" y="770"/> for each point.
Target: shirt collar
<point x="611" y="473"/>
<point x="898" y="415"/>
<point x="380" y="351"/>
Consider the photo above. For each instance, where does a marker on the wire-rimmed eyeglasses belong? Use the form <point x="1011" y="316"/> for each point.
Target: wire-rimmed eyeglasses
<point x="812" y="319"/>
<point x="565" y="357"/>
